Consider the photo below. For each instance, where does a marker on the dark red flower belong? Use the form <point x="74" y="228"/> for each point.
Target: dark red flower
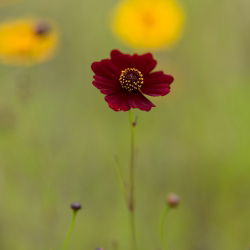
<point x="124" y="79"/>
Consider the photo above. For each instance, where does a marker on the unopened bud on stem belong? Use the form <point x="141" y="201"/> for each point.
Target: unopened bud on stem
<point x="173" y="200"/>
<point x="134" y="124"/>
<point x="76" y="206"/>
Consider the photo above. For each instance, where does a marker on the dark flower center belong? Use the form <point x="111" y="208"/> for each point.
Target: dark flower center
<point x="42" y="28"/>
<point x="131" y="79"/>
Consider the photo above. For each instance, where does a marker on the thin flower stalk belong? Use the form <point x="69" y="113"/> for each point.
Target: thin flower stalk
<point x="163" y="227"/>
<point x="75" y="208"/>
<point x="131" y="203"/>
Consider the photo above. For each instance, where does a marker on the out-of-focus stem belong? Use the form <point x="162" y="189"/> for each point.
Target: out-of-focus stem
<point x="163" y="226"/>
<point x="70" y="231"/>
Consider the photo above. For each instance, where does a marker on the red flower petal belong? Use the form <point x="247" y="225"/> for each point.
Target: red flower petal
<point x="123" y="61"/>
<point x="145" y="63"/>
<point x="118" y="101"/>
<point x="106" y="86"/>
<point x="106" y="68"/>
<point x="137" y="100"/>
<point x="157" y="84"/>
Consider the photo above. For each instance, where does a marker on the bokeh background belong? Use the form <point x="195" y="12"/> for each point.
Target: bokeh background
<point x="58" y="138"/>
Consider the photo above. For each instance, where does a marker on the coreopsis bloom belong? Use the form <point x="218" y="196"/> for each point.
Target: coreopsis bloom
<point x="27" y="41"/>
<point x="124" y="79"/>
<point x="148" y="24"/>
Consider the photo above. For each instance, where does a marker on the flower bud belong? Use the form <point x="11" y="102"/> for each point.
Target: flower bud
<point x="76" y="206"/>
<point x="173" y="200"/>
<point x="134" y="124"/>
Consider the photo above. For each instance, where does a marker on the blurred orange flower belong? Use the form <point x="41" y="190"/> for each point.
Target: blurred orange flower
<point x="148" y="24"/>
<point x="27" y="41"/>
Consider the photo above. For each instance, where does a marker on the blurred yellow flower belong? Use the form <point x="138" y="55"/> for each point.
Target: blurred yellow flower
<point x="148" y="24"/>
<point x="27" y="41"/>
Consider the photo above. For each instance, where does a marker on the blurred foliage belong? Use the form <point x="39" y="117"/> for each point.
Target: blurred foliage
<point x="58" y="139"/>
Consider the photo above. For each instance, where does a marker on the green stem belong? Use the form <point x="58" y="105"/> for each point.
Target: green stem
<point x="69" y="233"/>
<point x="163" y="227"/>
<point x="131" y="202"/>
<point x="121" y="179"/>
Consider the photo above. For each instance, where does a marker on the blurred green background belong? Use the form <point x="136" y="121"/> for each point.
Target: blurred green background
<point x="58" y="138"/>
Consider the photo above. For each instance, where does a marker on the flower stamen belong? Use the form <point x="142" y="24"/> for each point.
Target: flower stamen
<point x="131" y="79"/>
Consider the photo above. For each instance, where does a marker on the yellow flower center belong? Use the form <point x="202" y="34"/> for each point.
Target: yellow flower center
<point x="148" y="19"/>
<point x="131" y="79"/>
